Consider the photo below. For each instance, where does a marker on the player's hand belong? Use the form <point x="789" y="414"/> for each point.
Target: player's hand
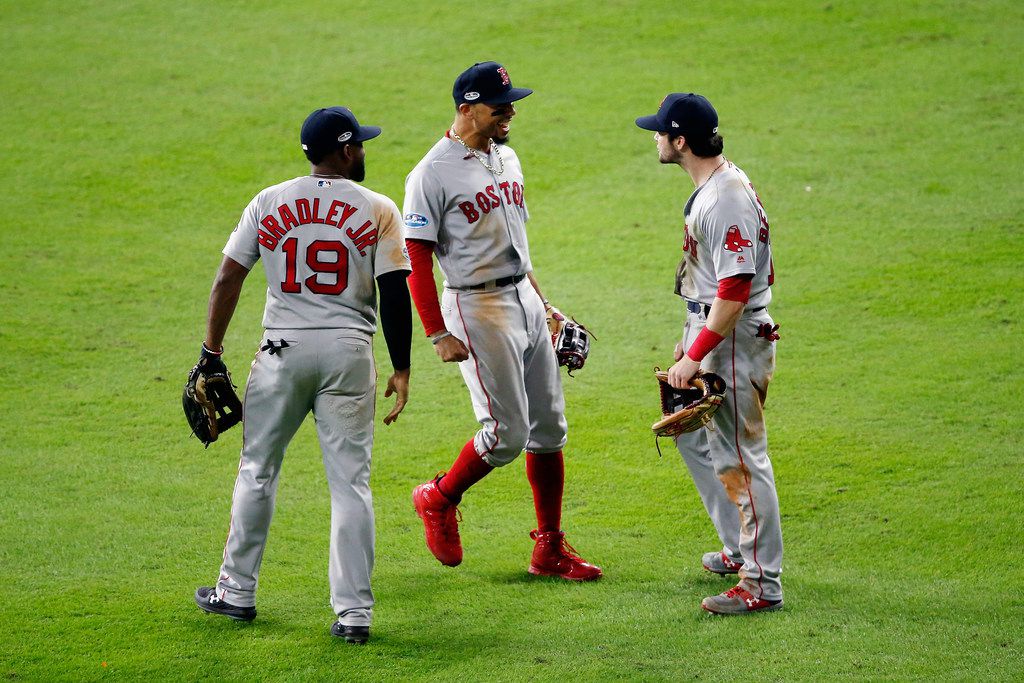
<point x="398" y="384"/>
<point x="680" y="374"/>
<point x="451" y="350"/>
<point x="555" y="319"/>
<point x="678" y="353"/>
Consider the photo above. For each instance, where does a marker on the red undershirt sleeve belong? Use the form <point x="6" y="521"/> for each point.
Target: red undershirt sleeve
<point x="422" y="287"/>
<point x="735" y="288"/>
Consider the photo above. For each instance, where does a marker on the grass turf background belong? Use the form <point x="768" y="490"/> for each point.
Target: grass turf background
<point x="885" y="141"/>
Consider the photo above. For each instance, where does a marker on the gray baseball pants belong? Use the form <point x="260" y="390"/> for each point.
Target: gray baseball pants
<point x="331" y="373"/>
<point x="512" y="372"/>
<point x="729" y="462"/>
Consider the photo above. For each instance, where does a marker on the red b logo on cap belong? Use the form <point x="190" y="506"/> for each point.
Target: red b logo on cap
<point x="504" y="76"/>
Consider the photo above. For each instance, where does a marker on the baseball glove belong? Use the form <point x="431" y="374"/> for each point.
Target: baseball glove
<point x="210" y="402"/>
<point x="687" y="410"/>
<point x="570" y="339"/>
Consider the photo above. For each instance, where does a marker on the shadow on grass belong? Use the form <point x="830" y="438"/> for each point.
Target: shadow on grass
<point x="526" y="578"/>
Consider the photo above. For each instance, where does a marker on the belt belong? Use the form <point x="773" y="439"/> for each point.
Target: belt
<point x="500" y="282"/>
<point x="697" y="307"/>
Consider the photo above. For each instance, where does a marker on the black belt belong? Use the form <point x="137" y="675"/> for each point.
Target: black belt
<point x="500" y="282"/>
<point x="697" y="307"/>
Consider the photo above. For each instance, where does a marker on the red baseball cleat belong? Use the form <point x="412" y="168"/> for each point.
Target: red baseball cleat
<point x="553" y="556"/>
<point x="738" y="600"/>
<point x="440" y="522"/>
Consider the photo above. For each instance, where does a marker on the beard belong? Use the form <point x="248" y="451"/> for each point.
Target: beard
<point x="501" y="140"/>
<point x="671" y="159"/>
<point x="358" y="172"/>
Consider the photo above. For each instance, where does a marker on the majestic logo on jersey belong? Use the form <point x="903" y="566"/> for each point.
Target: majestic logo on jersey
<point x="504" y="76"/>
<point x="415" y="220"/>
<point x="734" y="241"/>
<point x="489" y="199"/>
<point x="471" y="95"/>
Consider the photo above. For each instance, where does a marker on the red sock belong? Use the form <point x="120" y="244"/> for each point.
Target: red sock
<point x="546" y="472"/>
<point x="468" y="469"/>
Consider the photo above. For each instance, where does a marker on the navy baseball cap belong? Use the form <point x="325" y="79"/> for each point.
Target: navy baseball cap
<point x="682" y="114"/>
<point x="328" y="129"/>
<point x="486" y="82"/>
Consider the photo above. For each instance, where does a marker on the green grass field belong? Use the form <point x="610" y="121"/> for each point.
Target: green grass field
<point x="885" y="140"/>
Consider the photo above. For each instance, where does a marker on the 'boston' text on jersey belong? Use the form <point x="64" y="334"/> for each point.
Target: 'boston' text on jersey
<point x="489" y="199"/>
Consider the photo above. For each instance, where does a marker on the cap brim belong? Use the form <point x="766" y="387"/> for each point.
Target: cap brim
<point x="512" y="95"/>
<point x="649" y="123"/>
<point x="367" y="133"/>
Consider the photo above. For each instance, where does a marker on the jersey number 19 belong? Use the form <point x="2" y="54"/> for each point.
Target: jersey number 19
<point x="338" y="267"/>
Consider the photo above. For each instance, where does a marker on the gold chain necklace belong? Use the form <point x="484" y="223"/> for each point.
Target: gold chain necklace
<point x="480" y="157"/>
<point x="714" y="172"/>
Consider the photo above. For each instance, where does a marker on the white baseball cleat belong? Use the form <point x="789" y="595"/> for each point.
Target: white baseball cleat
<point x="720" y="563"/>
<point x="738" y="600"/>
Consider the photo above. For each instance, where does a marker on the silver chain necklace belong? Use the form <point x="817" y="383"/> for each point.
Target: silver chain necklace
<point x="480" y="157"/>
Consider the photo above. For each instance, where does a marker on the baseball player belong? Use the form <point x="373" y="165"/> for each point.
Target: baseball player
<point x="327" y="245"/>
<point x="465" y="203"/>
<point x="725" y="278"/>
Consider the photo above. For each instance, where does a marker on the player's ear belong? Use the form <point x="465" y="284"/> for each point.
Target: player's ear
<point x="350" y="153"/>
<point x="465" y="108"/>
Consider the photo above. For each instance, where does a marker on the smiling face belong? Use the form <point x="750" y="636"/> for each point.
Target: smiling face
<point x="493" y="120"/>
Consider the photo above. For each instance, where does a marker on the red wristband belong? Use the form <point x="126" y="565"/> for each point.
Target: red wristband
<point x="707" y="340"/>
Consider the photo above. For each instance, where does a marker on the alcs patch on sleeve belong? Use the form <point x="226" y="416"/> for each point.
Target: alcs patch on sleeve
<point x="416" y="220"/>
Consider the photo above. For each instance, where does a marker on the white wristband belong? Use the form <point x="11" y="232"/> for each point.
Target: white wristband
<point x="435" y="340"/>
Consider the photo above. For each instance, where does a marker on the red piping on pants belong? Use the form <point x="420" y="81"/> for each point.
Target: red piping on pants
<point x="746" y="476"/>
<point x="476" y="364"/>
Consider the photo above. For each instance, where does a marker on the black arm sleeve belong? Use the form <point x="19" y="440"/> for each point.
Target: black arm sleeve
<point x="396" y="316"/>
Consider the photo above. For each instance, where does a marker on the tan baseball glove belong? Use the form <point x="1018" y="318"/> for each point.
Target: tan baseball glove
<point x="687" y="410"/>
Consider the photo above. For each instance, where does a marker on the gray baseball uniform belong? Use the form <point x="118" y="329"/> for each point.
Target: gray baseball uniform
<point x="727" y="234"/>
<point x="512" y="374"/>
<point x="323" y="241"/>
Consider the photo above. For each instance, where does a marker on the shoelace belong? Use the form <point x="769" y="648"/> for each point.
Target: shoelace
<point x="447" y="529"/>
<point x="734" y="592"/>
<point x="569" y="551"/>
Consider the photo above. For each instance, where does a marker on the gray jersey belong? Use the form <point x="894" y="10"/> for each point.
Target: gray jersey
<point x="725" y="234"/>
<point x="323" y="242"/>
<point x="476" y="218"/>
